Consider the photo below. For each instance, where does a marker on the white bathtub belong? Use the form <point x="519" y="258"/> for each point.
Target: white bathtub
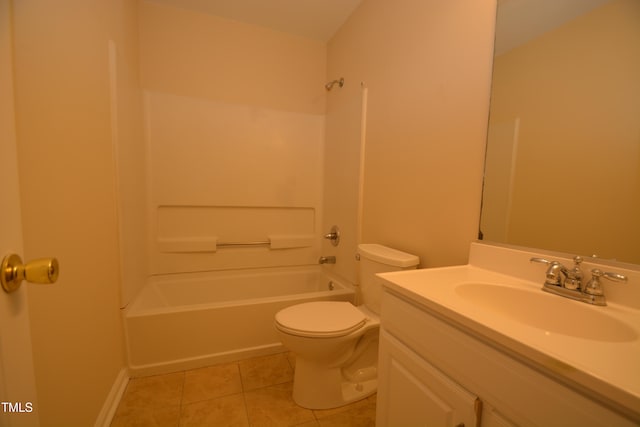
<point x="184" y="321"/>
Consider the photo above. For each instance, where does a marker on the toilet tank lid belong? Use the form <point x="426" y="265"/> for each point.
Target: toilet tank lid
<point x="386" y="255"/>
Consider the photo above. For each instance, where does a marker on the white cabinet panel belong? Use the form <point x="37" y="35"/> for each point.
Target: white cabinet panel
<point x="417" y="394"/>
<point x="492" y="418"/>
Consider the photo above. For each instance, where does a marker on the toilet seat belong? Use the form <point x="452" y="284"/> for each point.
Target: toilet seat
<point x="321" y="319"/>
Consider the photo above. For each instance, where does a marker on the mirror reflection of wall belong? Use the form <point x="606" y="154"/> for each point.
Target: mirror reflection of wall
<point x="563" y="153"/>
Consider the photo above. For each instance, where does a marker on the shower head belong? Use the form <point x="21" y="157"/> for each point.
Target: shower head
<point x="329" y="85"/>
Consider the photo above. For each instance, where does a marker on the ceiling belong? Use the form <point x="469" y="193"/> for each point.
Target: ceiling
<point x="522" y="20"/>
<point x="314" y="19"/>
<point x="518" y="20"/>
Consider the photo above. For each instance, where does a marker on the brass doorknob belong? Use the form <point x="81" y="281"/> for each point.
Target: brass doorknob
<point x="13" y="272"/>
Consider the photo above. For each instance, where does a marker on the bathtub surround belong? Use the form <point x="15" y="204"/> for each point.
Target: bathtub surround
<point x="231" y="173"/>
<point x="344" y="150"/>
<point x="131" y="169"/>
<point x="411" y="125"/>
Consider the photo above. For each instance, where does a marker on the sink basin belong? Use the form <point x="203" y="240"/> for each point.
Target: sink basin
<point x="549" y="313"/>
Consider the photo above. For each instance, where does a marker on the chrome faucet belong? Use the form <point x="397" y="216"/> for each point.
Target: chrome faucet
<point x="559" y="275"/>
<point x="327" y="260"/>
<point x="555" y="273"/>
<point x="565" y="282"/>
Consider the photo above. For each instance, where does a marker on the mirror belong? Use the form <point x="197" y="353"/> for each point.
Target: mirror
<point x="562" y="170"/>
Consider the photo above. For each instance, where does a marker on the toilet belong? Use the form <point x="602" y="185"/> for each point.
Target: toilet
<point x="336" y="343"/>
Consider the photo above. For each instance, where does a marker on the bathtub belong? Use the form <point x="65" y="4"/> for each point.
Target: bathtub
<point x="185" y="321"/>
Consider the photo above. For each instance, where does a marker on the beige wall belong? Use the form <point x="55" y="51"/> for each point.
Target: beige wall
<point x="576" y="93"/>
<point x="427" y="67"/>
<point x="199" y="55"/>
<point x="67" y="177"/>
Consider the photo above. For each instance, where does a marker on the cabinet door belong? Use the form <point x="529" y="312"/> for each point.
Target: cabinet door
<point x="412" y="392"/>
<point x="492" y="418"/>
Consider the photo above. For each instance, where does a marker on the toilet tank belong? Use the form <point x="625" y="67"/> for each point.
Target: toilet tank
<point x="375" y="259"/>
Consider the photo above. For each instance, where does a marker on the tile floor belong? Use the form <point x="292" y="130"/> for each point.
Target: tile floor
<point x="251" y="392"/>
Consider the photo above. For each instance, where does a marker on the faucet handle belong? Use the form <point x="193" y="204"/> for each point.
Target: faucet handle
<point x="594" y="287"/>
<point x="553" y="276"/>
<point x="576" y="259"/>
<point x="541" y="260"/>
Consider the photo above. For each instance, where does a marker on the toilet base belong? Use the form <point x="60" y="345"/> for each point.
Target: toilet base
<point x="316" y="387"/>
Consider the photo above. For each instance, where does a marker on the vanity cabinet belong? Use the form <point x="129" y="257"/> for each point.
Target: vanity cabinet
<point x="415" y="393"/>
<point x="433" y="372"/>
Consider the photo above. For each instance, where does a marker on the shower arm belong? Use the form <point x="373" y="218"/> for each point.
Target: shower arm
<point x="330" y="85"/>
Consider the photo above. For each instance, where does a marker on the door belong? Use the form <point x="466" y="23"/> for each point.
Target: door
<point x="18" y="406"/>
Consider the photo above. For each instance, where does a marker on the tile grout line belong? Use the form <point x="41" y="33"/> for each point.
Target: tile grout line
<point x="184" y="379"/>
<point x="244" y="394"/>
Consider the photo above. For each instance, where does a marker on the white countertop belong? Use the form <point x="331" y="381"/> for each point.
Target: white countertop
<point x="609" y="369"/>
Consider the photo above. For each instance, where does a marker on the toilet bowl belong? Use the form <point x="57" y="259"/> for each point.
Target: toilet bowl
<point x="336" y="343"/>
<point x="327" y="338"/>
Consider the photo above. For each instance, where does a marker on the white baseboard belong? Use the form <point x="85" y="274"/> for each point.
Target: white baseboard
<point x="113" y="399"/>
